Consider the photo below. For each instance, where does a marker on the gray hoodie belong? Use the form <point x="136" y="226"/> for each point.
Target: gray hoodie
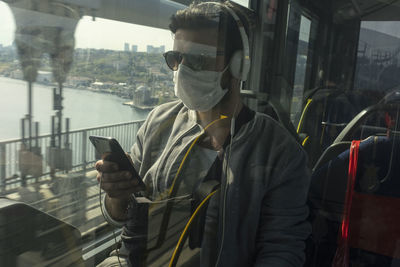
<point x="263" y="195"/>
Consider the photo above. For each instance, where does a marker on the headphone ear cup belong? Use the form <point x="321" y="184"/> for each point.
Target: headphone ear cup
<point x="235" y="66"/>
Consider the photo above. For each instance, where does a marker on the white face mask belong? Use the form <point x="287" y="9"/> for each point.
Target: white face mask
<point x="198" y="90"/>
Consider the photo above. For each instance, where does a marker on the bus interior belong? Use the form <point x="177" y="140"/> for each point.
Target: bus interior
<point x="326" y="70"/>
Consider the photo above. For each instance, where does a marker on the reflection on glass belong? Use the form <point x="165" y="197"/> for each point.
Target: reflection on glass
<point x="242" y="2"/>
<point x="64" y="77"/>
<point x="378" y="56"/>
<point x="355" y="191"/>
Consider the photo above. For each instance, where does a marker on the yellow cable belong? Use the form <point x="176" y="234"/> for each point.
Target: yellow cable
<point x="181" y="165"/>
<point x="184" y="159"/>
<point x="190" y="148"/>
<point x="188" y="225"/>
<point x="305" y="141"/>
<point x="303" y="114"/>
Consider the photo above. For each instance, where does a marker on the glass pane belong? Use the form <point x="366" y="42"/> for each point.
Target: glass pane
<point x="300" y="71"/>
<point x="242" y="2"/>
<point x="354" y="190"/>
<point x="63" y="78"/>
<point x="202" y="175"/>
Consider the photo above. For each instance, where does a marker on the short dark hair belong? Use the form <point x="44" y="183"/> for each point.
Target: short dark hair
<point x="210" y="15"/>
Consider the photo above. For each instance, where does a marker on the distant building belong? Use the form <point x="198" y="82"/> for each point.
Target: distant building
<point x="17" y="74"/>
<point x="44" y="77"/>
<point x="126" y="47"/>
<point x="97" y="85"/>
<point x="134" y="48"/>
<point x="155" y="50"/>
<point x="141" y="96"/>
<point x="117" y="64"/>
<point x="78" y="81"/>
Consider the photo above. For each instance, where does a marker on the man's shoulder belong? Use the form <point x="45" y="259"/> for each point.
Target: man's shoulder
<point x="269" y="123"/>
<point x="273" y="141"/>
<point x="167" y="112"/>
<point x="270" y="128"/>
<point x="173" y="106"/>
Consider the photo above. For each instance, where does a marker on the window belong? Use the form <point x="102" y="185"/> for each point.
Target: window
<point x="64" y="77"/>
<point x="301" y="68"/>
<point x="378" y="56"/>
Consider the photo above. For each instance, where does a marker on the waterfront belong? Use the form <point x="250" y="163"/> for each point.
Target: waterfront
<point x="84" y="108"/>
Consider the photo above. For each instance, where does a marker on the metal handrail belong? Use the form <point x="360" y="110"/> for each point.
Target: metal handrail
<point x="71" y="194"/>
<point x="7" y="141"/>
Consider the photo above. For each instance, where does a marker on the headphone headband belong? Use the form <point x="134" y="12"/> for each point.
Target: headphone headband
<point x="245" y="65"/>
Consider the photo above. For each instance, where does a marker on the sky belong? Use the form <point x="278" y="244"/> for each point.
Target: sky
<point x="7" y="24"/>
<point x="91" y="34"/>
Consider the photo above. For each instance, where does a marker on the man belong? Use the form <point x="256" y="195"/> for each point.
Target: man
<point x="258" y="216"/>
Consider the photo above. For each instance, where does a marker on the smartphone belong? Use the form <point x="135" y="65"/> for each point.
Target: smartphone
<point x="109" y="149"/>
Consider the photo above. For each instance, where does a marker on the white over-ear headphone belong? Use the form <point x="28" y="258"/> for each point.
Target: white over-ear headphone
<point x="240" y="60"/>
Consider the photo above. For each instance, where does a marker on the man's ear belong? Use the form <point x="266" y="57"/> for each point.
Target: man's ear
<point x="226" y="80"/>
<point x="234" y="83"/>
<point x="235" y="64"/>
<point x="229" y="82"/>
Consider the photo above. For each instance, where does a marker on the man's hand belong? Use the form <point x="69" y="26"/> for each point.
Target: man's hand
<point x="116" y="183"/>
<point x="119" y="186"/>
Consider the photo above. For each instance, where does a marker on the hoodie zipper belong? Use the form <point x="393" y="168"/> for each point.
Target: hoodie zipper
<point x="223" y="207"/>
<point x="162" y="160"/>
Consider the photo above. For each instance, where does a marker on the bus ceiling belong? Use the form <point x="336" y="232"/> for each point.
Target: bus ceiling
<point x="152" y="13"/>
<point x="372" y="10"/>
<point x="144" y="12"/>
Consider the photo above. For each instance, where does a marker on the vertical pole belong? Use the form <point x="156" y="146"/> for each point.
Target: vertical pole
<point x="52" y="146"/>
<point x="23" y="132"/>
<point x="59" y="128"/>
<point x="59" y="113"/>
<point x="30" y="114"/>
<point x="2" y="167"/>
<point x="84" y="147"/>
<point x="53" y="132"/>
<point x="37" y="134"/>
<point x="37" y="149"/>
<point x="66" y="144"/>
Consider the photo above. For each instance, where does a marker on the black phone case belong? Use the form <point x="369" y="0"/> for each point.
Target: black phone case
<point x="109" y="149"/>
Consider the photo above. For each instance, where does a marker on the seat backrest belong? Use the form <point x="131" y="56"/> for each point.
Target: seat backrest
<point x="43" y="240"/>
<point x="374" y="230"/>
<point x="277" y="112"/>
<point x="331" y="152"/>
<point x="325" y="114"/>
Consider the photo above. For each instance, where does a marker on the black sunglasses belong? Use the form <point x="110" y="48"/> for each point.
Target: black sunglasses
<point x="195" y="62"/>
